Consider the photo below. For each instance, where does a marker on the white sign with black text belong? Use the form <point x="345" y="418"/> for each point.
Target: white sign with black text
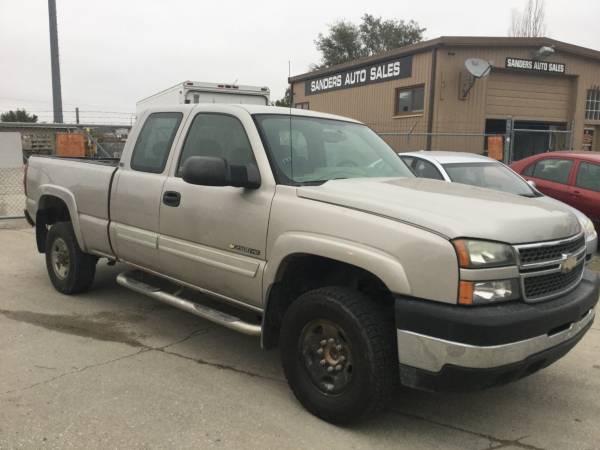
<point x="535" y="66"/>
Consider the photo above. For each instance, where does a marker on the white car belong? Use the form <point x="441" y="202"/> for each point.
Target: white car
<point x="479" y="170"/>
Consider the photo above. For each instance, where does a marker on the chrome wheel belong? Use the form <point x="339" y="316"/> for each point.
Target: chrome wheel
<point x="327" y="356"/>
<point x="59" y="256"/>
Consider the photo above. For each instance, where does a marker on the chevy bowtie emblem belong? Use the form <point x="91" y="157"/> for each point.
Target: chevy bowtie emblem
<point x="568" y="264"/>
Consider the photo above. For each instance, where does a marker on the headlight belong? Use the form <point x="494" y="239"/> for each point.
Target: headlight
<point x="474" y="254"/>
<point x="588" y="227"/>
<point x="482" y="292"/>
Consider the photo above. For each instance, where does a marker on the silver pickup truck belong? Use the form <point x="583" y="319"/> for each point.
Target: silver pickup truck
<point x="307" y="230"/>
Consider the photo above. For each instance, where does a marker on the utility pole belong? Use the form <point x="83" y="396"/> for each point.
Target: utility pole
<point x="77" y="115"/>
<point x="56" y="94"/>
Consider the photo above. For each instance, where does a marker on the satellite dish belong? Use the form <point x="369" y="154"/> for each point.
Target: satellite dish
<point x="477" y="67"/>
<point x="543" y="52"/>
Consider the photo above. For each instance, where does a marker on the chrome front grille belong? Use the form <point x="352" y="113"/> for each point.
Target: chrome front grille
<point x="550" y="269"/>
<point x="544" y="285"/>
<point x="540" y="253"/>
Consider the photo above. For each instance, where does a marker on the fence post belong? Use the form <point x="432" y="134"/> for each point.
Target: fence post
<point x="508" y="142"/>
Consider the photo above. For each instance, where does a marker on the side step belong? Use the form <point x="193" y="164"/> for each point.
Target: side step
<point x="128" y="280"/>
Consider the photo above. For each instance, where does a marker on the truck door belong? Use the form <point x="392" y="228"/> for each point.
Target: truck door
<point x="136" y="194"/>
<point x="214" y="237"/>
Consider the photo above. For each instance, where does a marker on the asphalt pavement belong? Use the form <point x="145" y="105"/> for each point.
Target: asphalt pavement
<point x="114" y="369"/>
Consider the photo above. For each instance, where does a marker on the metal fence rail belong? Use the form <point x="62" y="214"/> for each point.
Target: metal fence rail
<point x="517" y="144"/>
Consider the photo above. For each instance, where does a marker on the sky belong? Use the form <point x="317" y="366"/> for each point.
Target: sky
<point x="113" y="53"/>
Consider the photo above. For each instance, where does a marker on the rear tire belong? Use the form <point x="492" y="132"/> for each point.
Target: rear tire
<point x="338" y="352"/>
<point x="71" y="271"/>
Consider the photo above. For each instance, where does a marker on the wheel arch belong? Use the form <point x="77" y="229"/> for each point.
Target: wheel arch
<point x="56" y="204"/>
<point x="303" y="261"/>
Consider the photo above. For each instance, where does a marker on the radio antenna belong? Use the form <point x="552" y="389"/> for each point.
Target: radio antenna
<point x="290" y="100"/>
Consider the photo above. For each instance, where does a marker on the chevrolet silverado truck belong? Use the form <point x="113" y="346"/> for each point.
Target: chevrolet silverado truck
<point x="307" y="230"/>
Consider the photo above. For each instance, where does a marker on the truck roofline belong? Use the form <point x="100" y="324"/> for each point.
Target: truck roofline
<point x="250" y="109"/>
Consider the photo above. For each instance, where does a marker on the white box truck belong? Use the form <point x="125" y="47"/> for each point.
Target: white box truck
<point x="202" y="92"/>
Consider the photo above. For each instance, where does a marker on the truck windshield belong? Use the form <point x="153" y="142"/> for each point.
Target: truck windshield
<point x="310" y="150"/>
<point x="490" y="175"/>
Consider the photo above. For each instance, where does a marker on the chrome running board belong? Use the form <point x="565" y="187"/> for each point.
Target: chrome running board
<point x="127" y="279"/>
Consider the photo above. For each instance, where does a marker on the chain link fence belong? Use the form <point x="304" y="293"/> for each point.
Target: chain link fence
<point x="12" y="195"/>
<point x="512" y="146"/>
<point x="43" y="139"/>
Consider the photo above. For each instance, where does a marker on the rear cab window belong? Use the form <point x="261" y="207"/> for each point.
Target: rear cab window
<point x="154" y="142"/>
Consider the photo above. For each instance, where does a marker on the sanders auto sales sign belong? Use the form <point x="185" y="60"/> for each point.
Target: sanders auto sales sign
<point x="390" y="69"/>
<point x="536" y="66"/>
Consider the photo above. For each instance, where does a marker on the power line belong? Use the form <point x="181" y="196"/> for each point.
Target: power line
<point x="47" y="101"/>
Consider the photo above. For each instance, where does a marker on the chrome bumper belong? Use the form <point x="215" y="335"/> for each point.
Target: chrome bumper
<point x="432" y="354"/>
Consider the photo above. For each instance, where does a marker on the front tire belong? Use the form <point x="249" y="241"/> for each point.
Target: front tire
<point x="339" y="354"/>
<point x="71" y="271"/>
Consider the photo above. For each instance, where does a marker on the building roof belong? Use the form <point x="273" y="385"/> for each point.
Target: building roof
<point x="457" y="41"/>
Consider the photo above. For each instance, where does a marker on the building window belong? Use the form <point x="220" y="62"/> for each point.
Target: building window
<point x="302" y="105"/>
<point x="410" y="101"/>
<point x="592" y="104"/>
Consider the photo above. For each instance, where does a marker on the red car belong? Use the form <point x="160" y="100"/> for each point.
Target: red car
<point x="571" y="177"/>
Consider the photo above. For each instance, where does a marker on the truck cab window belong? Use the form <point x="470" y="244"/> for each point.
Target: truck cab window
<point x="154" y="142"/>
<point x="217" y="135"/>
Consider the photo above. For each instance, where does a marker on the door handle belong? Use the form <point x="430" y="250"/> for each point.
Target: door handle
<point x="172" y="198"/>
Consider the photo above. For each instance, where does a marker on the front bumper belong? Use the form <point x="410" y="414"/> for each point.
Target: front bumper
<point x="451" y="347"/>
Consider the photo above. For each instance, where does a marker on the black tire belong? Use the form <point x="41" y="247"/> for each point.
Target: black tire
<point x="365" y="332"/>
<point x="61" y="245"/>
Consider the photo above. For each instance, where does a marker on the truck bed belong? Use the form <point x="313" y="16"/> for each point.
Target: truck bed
<point x="83" y="184"/>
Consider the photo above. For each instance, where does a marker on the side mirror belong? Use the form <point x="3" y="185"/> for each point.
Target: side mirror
<point x="214" y="171"/>
<point x="532" y="184"/>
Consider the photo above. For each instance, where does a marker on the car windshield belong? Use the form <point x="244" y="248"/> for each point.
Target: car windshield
<point x="310" y="150"/>
<point x="491" y="175"/>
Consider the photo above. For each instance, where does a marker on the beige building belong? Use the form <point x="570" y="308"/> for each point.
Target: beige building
<point x="540" y="94"/>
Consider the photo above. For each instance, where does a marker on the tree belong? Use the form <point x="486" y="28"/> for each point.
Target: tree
<point x="286" y="100"/>
<point x="531" y="22"/>
<point x="20" y="115"/>
<point x="347" y="41"/>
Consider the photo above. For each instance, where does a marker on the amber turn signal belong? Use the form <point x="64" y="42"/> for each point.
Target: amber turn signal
<point x="462" y="253"/>
<point x="465" y="292"/>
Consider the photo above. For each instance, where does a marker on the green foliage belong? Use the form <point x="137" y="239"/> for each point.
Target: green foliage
<point x="342" y="43"/>
<point x="286" y="100"/>
<point x="20" y="115"/>
<point x="347" y="41"/>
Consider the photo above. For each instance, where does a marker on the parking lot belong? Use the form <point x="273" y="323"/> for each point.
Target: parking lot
<point x="112" y="368"/>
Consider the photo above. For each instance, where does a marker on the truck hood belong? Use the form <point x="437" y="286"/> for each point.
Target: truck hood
<point x="450" y="209"/>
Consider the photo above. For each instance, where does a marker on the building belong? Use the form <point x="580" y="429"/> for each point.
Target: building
<point x="540" y="94"/>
